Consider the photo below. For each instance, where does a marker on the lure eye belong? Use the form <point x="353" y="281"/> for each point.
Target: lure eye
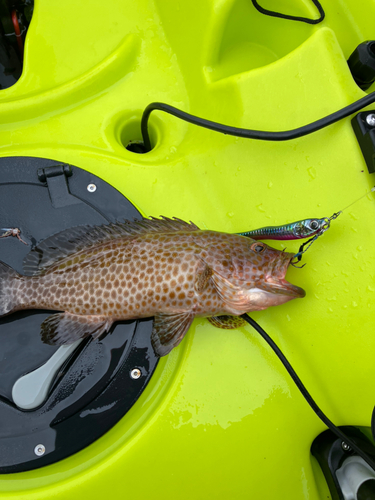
<point x="258" y="247"/>
<point x="314" y="224"/>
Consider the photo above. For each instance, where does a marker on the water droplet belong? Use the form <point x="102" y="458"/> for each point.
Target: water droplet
<point x="270" y="184"/>
<point x="288" y="317"/>
<point x="359" y="248"/>
<point x="371" y="289"/>
<point x="354" y="303"/>
<point x="260" y="208"/>
<point x="172" y="149"/>
<point x="230" y="214"/>
<point x="239" y="168"/>
<point x="330" y="299"/>
<point x="312" y="172"/>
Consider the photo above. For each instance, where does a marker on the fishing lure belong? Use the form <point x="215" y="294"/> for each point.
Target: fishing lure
<point x="309" y="242"/>
<point x="305" y="228"/>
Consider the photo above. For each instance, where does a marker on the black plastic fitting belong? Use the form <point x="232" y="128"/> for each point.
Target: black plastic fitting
<point x="362" y="64"/>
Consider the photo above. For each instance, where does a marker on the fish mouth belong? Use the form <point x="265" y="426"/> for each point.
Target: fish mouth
<point x="276" y="280"/>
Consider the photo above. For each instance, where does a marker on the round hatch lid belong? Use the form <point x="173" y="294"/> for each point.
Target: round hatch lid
<point x="56" y="401"/>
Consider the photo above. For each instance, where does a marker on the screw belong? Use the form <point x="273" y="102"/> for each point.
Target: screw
<point x="345" y="446"/>
<point x="91" y="188"/>
<point x="135" y="373"/>
<point x="39" y="450"/>
<point x="370" y="119"/>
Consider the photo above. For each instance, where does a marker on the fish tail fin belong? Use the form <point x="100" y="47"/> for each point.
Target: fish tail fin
<point x="7" y="299"/>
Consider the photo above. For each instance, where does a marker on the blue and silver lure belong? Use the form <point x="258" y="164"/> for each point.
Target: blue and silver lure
<point x="305" y="228"/>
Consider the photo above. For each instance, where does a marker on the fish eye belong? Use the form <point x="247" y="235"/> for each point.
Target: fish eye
<point x="314" y="224"/>
<point x="258" y="247"/>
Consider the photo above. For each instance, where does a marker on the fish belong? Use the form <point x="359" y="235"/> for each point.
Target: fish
<point x="164" y="268"/>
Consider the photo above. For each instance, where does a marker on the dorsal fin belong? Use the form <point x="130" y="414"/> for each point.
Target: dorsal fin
<point x="154" y="225"/>
<point x="72" y="240"/>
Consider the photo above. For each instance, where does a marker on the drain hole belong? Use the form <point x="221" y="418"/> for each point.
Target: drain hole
<point x="130" y="136"/>
<point x="136" y="147"/>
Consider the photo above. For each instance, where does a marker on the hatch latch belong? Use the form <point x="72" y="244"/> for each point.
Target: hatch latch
<point x="56" y="178"/>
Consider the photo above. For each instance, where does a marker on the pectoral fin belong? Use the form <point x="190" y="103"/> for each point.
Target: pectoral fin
<point x="66" y="328"/>
<point x="168" y="331"/>
<point x="227" y="322"/>
<point x="203" y="276"/>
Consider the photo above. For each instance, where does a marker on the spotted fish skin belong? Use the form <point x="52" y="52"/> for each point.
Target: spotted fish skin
<point x="164" y="268"/>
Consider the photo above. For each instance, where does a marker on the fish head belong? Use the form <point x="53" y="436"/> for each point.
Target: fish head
<point x="268" y="270"/>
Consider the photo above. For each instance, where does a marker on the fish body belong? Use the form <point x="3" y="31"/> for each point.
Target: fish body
<point x="164" y="268"/>
<point x="293" y="231"/>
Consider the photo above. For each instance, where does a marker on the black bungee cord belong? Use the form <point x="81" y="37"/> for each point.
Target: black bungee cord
<point x="248" y="133"/>
<point x="272" y="13"/>
<point x="306" y="394"/>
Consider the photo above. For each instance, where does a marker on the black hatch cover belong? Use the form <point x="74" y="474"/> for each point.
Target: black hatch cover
<point x="88" y="389"/>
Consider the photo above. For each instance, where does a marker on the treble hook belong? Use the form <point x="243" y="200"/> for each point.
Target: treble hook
<point x="309" y="242"/>
<point x="301" y="250"/>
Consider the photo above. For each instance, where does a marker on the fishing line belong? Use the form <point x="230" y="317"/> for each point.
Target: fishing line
<point x="305" y="392"/>
<point x="360" y="198"/>
<point x="308" y="243"/>
<point x="272" y="13"/>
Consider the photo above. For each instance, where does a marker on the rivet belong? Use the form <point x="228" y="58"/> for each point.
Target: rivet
<point x="91" y="188"/>
<point x="39" y="450"/>
<point x="345" y="446"/>
<point x="135" y="373"/>
<point x="370" y="119"/>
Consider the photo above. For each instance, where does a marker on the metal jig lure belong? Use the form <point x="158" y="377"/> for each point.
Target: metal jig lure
<point x="305" y="228"/>
<point x="309" y="242"/>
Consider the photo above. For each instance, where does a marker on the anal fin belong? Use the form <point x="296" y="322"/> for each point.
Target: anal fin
<point x="227" y="322"/>
<point x="168" y="331"/>
<point x="66" y="328"/>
